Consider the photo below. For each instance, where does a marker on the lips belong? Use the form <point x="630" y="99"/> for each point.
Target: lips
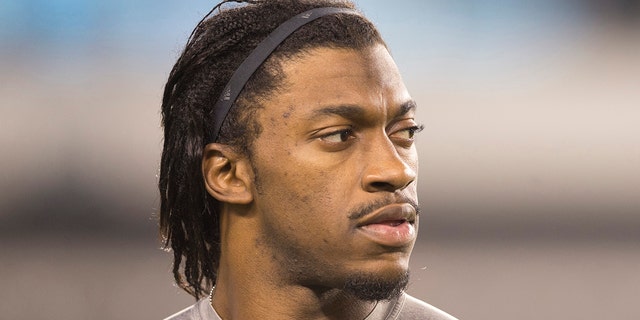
<point x="392" y="225"/>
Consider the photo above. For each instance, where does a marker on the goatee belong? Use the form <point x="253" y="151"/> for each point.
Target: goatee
<point x="371" y="288"/>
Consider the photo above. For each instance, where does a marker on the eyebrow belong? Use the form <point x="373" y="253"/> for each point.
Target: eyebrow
<point x="355" y="112"/>
<point x="406" y="107"/>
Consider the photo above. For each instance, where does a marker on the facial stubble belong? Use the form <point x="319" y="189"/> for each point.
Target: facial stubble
<point x="299" y="265"/>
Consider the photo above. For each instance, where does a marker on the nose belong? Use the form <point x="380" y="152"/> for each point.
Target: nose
<point x="387" y="169"/>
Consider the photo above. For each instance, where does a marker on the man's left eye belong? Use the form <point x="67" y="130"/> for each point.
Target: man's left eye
<point x="408" y="133"/>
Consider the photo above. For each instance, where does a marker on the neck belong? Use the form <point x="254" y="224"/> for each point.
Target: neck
<point x="249" y="298"/>
<point x="250" y="285"/>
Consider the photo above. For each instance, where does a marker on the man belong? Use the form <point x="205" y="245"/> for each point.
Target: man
<point x="288" y="175"/>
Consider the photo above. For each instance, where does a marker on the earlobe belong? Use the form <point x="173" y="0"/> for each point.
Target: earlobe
<point x="227" y="174"/>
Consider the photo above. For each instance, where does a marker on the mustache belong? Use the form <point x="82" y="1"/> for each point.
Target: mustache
<point x="367" y="208"/>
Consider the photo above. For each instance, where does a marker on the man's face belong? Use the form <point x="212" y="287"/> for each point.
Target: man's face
<point x="335" y="170"/>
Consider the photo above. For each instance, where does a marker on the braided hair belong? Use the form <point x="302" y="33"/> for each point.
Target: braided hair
<point x="189" y="221"/>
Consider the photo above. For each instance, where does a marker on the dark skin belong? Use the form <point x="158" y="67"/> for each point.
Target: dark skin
<point x="326" y="194"/>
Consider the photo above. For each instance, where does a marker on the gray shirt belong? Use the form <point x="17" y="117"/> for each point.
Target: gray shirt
<point x="405" y="307"/>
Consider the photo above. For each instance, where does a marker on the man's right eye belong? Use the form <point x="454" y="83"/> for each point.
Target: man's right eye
<point x="339" y="136"/>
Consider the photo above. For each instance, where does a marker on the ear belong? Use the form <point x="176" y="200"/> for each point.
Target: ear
<point x="227" y="174"/>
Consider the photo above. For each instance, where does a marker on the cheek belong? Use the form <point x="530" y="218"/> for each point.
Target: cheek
<point x="301" y="197"/>
<point x="410" y="156"/>
<point x="291" y="187"/>
<point x="296" y="183"/>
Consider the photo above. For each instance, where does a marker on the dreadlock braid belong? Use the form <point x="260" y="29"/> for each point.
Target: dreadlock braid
<point x="189" y="222"/>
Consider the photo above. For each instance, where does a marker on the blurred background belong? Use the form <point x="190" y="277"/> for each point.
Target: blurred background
<point x="530" y="178"/>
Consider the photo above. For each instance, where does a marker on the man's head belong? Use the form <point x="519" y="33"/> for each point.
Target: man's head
<point x="314" y="169"/>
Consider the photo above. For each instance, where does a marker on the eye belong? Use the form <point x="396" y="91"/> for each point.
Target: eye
<point x="338" y="136"/>
<point x="408" y="133"/>
<point x="405" y="137"/>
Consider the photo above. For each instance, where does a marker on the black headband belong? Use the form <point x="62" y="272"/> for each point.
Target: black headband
<point x="257" y="57"/>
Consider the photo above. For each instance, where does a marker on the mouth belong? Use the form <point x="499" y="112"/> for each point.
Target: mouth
<point x="391" y="226"/>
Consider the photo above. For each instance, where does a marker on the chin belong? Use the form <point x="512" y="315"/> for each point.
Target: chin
<point x="375" y="286"/>
<point x="390" y="264"/>
<point x="381" y="279"/>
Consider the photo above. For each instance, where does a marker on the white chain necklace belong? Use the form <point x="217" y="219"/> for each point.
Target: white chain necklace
<point x="211" y="296"/>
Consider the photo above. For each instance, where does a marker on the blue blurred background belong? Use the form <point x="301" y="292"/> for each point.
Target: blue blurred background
<point x="529" y="182"/>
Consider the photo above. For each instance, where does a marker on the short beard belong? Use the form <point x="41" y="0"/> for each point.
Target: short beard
<point x="368" y="287"/>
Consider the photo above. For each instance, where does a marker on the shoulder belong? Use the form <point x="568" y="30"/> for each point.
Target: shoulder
<point x="185" y="314"/>
<point x="412" y="308"/>
<point x="200" y="311"/>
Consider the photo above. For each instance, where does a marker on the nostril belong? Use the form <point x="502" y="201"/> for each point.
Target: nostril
<point x="381" y="185"/>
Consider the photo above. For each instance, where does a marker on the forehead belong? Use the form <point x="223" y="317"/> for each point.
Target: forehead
<point x="323" y="77"/>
